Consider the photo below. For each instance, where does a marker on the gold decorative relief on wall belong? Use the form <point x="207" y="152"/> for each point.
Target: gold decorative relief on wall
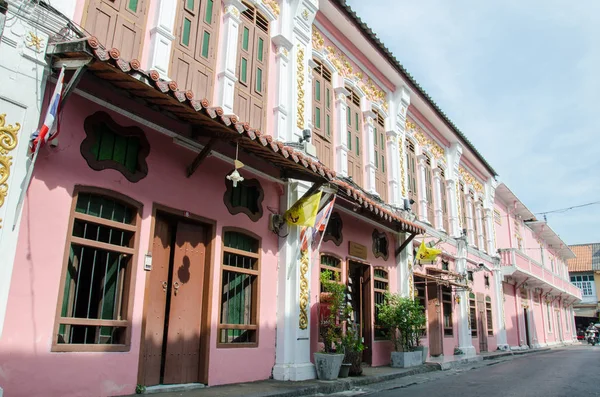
<point x="470" y="179"/>
<point x="424" y="141"/>
<point x="303" y="321"/>
<point x="33" y="40"/>
<point x="273" y="5"/>
<point x="8" y="141"/>
<point x="317" y="40"/>
<point x="402" y="176"/>
<point x="300" y="79"/>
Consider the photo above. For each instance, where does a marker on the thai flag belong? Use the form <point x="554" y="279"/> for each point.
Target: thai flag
<point x="46" y="132"/>
<point x="322" y="220"/>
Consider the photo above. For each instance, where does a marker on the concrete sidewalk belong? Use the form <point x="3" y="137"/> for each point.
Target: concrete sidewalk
<point x="371" y="375"/>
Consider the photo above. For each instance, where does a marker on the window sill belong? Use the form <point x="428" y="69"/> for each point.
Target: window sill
<point x="237" y="345"/>
<point x="83" y="348"/>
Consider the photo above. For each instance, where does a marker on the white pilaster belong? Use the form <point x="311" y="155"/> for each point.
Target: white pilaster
<point x="479" y="215"/>
<point x="422" y="189"/>
<point x="501" y="339"/>
<point x="283" y="98"/>
<point x="395" y="148"/>
<point x="437" y="191"/>
<point x="403" y="273"/>
<point x="392" y="154"/>
<point x="470" y="219"/>
<point x="228" y="54"/>
<point x="162" y="36"/>
<point x="490" y="193"/>
<point x="369" y="147"/>
<point x="292" y="353"/>
<point x="452" y="177"/>
<point x="465" y="343"/>
<point x="341" y="150"/>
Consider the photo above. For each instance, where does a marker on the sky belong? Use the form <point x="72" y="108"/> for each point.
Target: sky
<point x="521" y="79"/>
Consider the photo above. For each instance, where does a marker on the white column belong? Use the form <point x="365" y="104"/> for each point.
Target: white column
<point x="452" y="177"/>
<point x="404" y="275"/>
<point x="488" y="223"/>
<point x="392" y="154"/>
<point x="162" y="36"/>
<point x="283" y="94"/>
<point x="341" y="150"/>
<point x="397" y="163"/>
<point x="422" y="186"/>
<point x="501" y="339"/>
<point x="453" y="215"/>
<point x="490" y="193"/>
<point x="470" y="219"/>
<point x="292" y="353"/>
<point x="465" y="342"/>
<point x="228" y="55"/>
<point x="480" y="224"/>
<point x="437" y="191"/>
<point x="369" y="147"/>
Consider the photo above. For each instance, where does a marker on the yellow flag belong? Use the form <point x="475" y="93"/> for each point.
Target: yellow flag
<point x="425" y="254"/>
<point x="304" y="211"/>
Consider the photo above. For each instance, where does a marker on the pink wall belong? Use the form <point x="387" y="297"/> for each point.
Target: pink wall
<point x="510" y="315"/>
<point x="360" y="232"/>
<point x="27" y="365"/>
<point x="504" y="231"/>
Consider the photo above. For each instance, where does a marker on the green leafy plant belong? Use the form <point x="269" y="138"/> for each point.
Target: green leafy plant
<point x="140" y="389"/>
<point x="403" y="318"/>
<point x="331" y="311"/>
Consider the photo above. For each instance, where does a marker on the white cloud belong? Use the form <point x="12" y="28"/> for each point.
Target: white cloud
<point x="520" y="79"/>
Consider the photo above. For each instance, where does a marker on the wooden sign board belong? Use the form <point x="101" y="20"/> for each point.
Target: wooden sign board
<point x="357" y="250"/>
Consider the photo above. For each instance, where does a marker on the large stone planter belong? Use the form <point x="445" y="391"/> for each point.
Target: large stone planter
<point x="424" y="350"/>
<point x="406" y="359"/>
<point x="328" y="365"/>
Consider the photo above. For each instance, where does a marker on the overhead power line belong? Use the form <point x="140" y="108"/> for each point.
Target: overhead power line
<point x="561" y="210"/>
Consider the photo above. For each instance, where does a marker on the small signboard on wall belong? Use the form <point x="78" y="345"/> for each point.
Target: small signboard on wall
<point x="357" y="250"/>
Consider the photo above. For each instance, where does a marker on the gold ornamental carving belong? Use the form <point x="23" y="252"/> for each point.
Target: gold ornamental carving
<point x="470" y="180"/>
<point x="33" y="40"/>
<point x="303" y="321"/>
<point x="344" y="67"/>
<point x="8" y="142"/>
<point x="426" y="142"/>
<point x="274" y="6"/>
<point x="402" y="176"/>
<point x="300" y="78"/>
<point x="459" y="205"/>
<point x="232" y="10"/>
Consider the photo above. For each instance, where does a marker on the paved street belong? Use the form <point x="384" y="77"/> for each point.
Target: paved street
<point x="564" y="372"/>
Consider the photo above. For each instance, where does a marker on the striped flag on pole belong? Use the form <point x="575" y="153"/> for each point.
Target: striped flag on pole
<point x="46" y="132"/>
<point x="322" y="220"/>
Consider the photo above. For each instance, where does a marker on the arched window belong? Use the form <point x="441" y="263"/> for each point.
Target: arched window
<point x="354" y="128"/>
<point x="96" y="300"/>
<point x="240" y="272"/>
<point x="322" y="110"/>
<point x="380" y="287"/>
<point x="251" y="71"/>
<point x="488" y="313"/>
<point x="472" y="315"/>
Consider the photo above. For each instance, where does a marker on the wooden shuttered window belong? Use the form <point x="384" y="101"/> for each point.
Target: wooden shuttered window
<point x="488" y="314"/>
<point x="380" y="161"/>
<point x="251" y="71"/>
<point x="411" y="168"/>
<point x="194" y="50"/>
<point x="472" y="315"/>
<point x="444" y="203"/>
<point x="354" y="129"/>
<point x="447" y="311"/>
<point x="322" y="100"/>
<point x="380" y="287"/>
<point x="240" y="272"/>
<point x="94" y="307"/>
<point x="429" y="189"/>
<point x="117" y="24"/>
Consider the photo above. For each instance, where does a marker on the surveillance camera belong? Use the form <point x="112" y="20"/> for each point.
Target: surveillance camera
<point x="306" y="134"/>
<point x="481" y="265"/>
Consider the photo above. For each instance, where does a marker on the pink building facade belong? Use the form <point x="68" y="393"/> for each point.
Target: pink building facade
<point x="143" y="260"/>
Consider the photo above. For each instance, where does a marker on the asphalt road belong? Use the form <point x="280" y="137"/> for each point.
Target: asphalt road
<point x="565" y="372"/>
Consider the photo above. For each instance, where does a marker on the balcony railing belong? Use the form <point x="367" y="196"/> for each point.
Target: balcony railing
<point x="514" y="257"/>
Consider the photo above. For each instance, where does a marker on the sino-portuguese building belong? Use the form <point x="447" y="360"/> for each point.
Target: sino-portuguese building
<point x="138" y="258"/>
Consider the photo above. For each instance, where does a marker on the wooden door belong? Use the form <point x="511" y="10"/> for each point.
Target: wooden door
<point x="117" y="23"/>
<point x="156" y="302"/>
<point x="367" y="310"/>
<point x="481" y="323"/>
<point x="433" y="315"/>
<point x="182" y="353"/>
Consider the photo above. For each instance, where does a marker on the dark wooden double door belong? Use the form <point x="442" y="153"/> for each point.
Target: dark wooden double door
<point x="175" y="302"/>
<point x="361" y="291"/>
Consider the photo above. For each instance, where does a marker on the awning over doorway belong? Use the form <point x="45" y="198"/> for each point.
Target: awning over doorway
<point x="586" y="311"/>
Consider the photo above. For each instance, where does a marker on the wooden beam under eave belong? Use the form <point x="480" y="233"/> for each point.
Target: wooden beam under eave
<point x="200" y="157"/>
<point x="405" y="243"/>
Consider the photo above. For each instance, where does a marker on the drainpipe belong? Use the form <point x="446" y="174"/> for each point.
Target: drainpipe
<point x="3" y="10"/>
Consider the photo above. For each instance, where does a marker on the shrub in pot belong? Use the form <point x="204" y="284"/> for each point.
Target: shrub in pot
<point x="353" y="348"/>
<point x="403" y="318"/>
<point x="329" y="361"/>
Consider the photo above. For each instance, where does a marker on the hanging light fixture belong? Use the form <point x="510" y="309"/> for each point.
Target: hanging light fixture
<point x="235" y="176"/>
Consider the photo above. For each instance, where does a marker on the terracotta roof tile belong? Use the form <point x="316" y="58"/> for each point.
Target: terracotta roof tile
<point x="587" y="258"/>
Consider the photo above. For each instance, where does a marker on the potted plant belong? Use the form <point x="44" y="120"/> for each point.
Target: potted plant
<point x="403" y="318"/>
<point x="329" y="361"/>
<point x="353" y="348"/>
